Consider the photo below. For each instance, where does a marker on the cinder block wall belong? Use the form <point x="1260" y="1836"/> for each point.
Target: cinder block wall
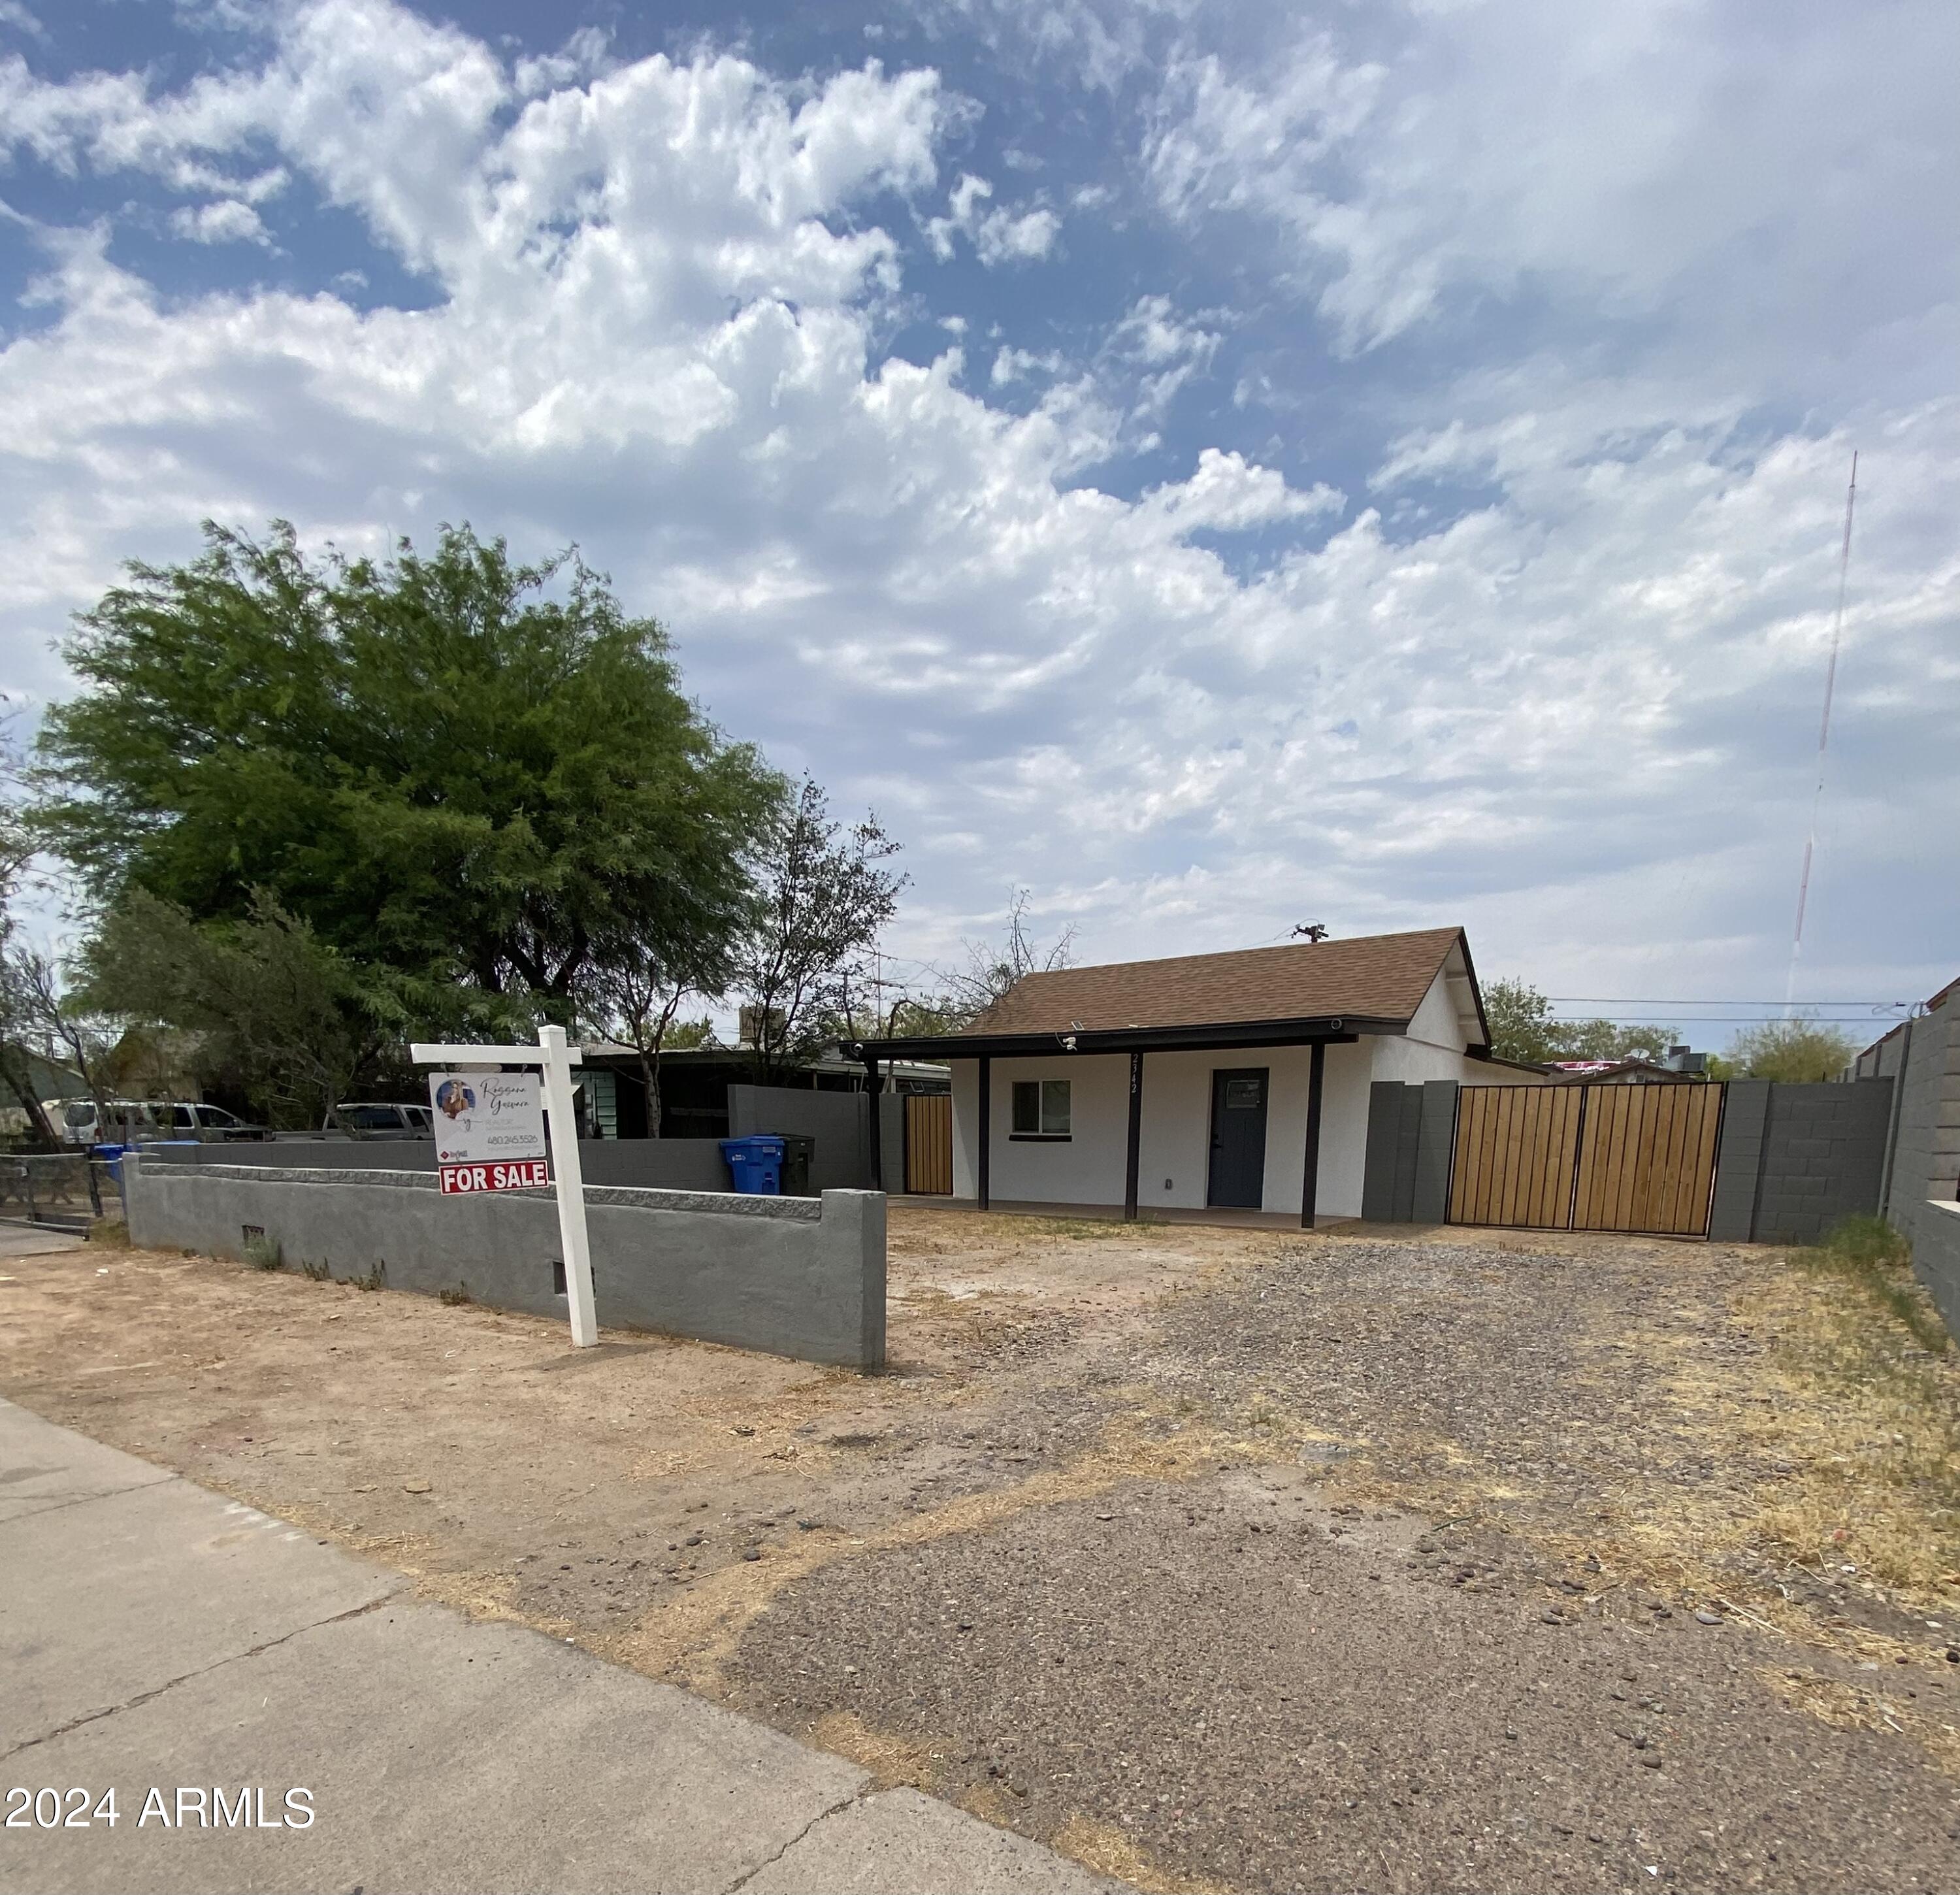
<point x="1411" y="1137"/>
<point x="802" y="1277"/>
<point x="839" y="1122"/>
<point x="1924" y="1172"/>
<point x="1823" y="1158"/>
<point x="1935" y="1256"/>
<point x="1738" y="1161"/>
<point x="657" y="1164"/>
<point x="1926" y="1156"/>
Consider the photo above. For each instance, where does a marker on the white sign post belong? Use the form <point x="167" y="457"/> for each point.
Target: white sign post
<point x="557" y="1060"/>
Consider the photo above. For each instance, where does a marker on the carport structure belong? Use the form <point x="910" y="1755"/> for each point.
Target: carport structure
<point x="1232" y="1082"/>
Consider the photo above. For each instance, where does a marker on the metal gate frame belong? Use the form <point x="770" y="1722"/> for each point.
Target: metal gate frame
<point x="1517" y="1197"/>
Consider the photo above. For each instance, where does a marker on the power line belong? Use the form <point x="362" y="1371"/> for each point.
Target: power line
<point x="1718" y="1020"/>
<point x="1667" y="1000"/>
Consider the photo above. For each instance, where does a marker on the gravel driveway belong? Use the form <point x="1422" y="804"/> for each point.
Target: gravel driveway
<point x="1215" y="1558"/>
<point x="1408" y="1629"/>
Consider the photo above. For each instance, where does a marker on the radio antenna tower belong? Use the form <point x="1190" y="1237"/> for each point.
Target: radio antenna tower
<point x="1823" y="741"/>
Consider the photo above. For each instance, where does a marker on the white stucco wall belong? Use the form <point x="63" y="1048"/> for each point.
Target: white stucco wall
<point x="1174" y="1163"/>
<point x="1088" y="1169"/>
<point x="1175" y="1143"/>
<point x="1433" y="1049"/>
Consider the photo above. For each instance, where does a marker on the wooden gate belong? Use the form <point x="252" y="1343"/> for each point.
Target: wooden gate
<point x="1647" y="1159"/>
<point x="1516" y="1147"/>
<point x="929" y="1144"/>
<point x="1609" y="1157"/>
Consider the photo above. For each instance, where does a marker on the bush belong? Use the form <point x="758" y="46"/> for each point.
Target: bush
<point x="262" y="1252"/>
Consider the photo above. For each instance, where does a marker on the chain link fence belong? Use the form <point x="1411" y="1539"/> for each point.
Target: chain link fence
<point x="63" y="1190"/>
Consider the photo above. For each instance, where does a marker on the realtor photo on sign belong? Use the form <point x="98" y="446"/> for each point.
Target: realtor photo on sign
<point x="489" y="1131"/>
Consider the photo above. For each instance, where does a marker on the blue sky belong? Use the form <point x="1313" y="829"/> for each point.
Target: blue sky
<point x="1218" y="466"/>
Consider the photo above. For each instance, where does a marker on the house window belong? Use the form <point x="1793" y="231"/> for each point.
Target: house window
<point x="1040" y="1108"/>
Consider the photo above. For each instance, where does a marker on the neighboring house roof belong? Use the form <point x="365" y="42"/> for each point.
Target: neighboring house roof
<point x="1375" y="982"/>
<point x="1571" y="1072"/>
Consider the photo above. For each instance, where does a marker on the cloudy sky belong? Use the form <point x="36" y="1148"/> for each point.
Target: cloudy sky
<point x="1219" y="466"/>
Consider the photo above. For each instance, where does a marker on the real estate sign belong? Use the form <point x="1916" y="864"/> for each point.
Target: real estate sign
<point x="489" y="1131"/>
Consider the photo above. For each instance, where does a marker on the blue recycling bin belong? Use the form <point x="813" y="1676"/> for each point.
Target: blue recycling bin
<point x="756" y="1164"/>
<point x="112" y="1156"/>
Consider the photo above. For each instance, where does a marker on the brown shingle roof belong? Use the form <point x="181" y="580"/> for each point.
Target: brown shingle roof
<point x="1371" y="977"/>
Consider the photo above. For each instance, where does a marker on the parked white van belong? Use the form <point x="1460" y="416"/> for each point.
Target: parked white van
<point x="131" y="1120"/>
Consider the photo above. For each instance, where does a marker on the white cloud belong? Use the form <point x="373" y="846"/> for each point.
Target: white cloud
<point x="229" y="221"/>
<point x="15" y="14"/>
<point x="1012" y="365"/>
<point x="1579" y="715"/>
<point x="998" y="236"/>
<point x="1764" y="177"/>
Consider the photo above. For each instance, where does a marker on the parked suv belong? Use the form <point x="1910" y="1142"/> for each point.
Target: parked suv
<point x="376" y="1120"/>
<point x="129" y="1121"/>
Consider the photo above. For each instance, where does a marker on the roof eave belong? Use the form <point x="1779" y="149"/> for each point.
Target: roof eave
<point x="1210" y="1035"/>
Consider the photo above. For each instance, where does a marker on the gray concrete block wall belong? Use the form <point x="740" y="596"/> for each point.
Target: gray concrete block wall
<point x="839" y="1122"/>
<point x="801" y="1277"/>
<point x="1793" y="1159"/>
<point x="1411" y="1134"/>
<point x="1926" y="1153"/>
<point x="1936" y="1256"/>
<point x="1823" y="1158"/>
<point x="1435" y="1151"/>
<point x="891" y="1139"/>
<point x="656" y="1164"/>
<point x="1378" y="1202"/>
<point x="1739" y="1161"/>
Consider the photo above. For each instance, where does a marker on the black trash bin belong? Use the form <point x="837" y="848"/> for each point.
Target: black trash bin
<point x="799" y="1154"/>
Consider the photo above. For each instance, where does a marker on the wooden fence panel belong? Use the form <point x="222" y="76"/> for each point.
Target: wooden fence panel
<point x="929" y="1144"/>
<point x="1607" y="1157"/>
<point x="1647" y="1161"/>
<point x="1515" y="1149"/>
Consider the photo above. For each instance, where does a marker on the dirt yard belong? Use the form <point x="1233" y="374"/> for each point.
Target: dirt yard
<point x="1215" y="1558"/>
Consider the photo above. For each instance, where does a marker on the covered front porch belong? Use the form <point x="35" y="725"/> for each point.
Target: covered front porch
<point x="1263" y="1124"/>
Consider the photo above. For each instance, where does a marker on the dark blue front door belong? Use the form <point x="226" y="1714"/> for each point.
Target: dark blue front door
<point x="1238" y="1138"/>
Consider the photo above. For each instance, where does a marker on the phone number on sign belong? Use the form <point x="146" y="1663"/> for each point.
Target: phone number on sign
<point x="194" y="1807"/>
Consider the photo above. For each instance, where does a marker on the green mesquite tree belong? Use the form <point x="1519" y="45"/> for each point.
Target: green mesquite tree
<point x="470" y="781"/>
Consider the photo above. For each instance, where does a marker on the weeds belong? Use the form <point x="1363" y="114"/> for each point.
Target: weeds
<point x="459" y="1293"/>
<point x="320" y="1272"/>
<point x="262" y="1252"/>
<point x="1868" y="1253"/>
<point x="376" y="1279"/>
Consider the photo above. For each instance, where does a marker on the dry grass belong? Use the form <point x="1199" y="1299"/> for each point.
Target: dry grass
<point x="891" y="1760"/>
<point x="1852" y="1707"/>
<point x="1817" y="1441"/>
<point x="1872" y="1422"/>
<point x="1103" y="1847"/>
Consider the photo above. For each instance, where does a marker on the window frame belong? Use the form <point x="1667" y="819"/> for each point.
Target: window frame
<point x="1043" y="1091"/>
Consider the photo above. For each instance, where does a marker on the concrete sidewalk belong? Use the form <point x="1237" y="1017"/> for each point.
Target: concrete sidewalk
<point x="155" y="1636"/>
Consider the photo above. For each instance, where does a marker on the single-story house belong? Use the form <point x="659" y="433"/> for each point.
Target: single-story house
<point x="1229" y="1080"/>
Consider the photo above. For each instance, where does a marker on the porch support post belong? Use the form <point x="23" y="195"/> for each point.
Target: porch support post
<point x="876" y="1080"/>
<point x="1309" y="1188"/>
<point x="983" y="1155"/>
<point x="1136" y="1136"/>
